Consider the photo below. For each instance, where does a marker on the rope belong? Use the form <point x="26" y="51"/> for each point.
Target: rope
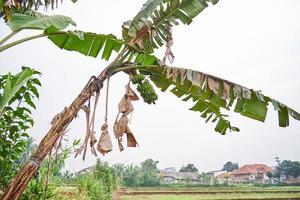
<point x="35" y="161"/>
<point x="106" y="100"/>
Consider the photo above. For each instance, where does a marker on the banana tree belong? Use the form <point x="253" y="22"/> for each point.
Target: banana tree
<point x="150" y="29"/>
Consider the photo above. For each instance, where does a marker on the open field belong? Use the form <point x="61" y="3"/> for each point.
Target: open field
<point x="242" y="193"/>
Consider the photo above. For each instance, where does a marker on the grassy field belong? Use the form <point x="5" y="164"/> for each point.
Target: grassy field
<point x="193" y="193"/>
<point x="214" y="196"/>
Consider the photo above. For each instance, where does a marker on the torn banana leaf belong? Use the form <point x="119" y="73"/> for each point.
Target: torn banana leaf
<point x="212" y="94"/>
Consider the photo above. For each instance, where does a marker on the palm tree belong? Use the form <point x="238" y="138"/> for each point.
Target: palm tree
<point x="150" y="29"/>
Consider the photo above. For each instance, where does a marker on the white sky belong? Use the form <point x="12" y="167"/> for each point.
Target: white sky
<point x="252" y="42"/>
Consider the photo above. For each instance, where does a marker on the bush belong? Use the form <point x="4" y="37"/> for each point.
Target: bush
<point x="88" y="187"/>
<point x="97" y="185"/>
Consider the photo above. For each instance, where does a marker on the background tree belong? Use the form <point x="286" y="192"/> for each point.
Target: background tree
<point x="288" y="168"/>
<point x="149" y="173"/>
<point x="131" y="175"/>
<point x="230" y="166"/>
<point x="189" y="168"/>
<point x="104" y="174"/>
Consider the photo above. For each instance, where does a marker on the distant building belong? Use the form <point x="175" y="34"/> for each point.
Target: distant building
<point x="179" y="177"/>
<point x="170" y="169"/>
<point x="86" y="170"/>
<point x="251" y="173"/>
<point x="225" y="178"/>
<point x="215" y="173"/>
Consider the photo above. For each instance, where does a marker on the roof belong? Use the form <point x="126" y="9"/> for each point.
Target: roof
<point x="169" y="169"/>
<point x="86" y="170"/>
<point x="180" y="175"/>
<point x="253" y="169"/>
<point x="224" y="175"/>
<point x="215" y="173"/>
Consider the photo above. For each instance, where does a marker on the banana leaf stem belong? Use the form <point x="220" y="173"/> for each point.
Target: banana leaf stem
<point x="9" y="45"/>
<point x="8" y="37"/>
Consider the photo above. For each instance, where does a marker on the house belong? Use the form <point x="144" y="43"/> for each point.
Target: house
<point x="225" y="178"/>
<point x="215" y="173"/>
<point x="86" y="170"/>
<point x="179" y="177"/>
<point x="251" y="173"/>
<point x="170" y="169"/>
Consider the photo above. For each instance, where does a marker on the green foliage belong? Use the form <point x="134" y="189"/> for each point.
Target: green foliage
<point x="17" y="96"/>
<point x="11" y="84"/>
<point x="90" y="188"/>
<point x="149" y="173"/>
<point x="36" y="189"/>
<point x="49" y="176"/>
<point x="104" y="174"/>
<point x="25" y="155"/>
<point x="157" y="17"/>
<point x="97" y="185"/>
<point x="38" y="21"/>
<point x="89" y="44"/>
<point x="230" y="166"/>
<point x="118" y="171"/>
<point x="288" y="168"/>
<point x="131" y="176"/>
<point x="189" y="168"/>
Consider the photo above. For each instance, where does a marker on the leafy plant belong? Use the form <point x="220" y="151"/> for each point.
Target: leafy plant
<point x="17" y="100"/>
<point x="104" y="174"/>
<point x="149" y="173"/>
<point x="131" y="175"/>
<point x="99" y="184"/>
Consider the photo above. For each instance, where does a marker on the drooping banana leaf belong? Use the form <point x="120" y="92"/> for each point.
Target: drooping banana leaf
<point x="89" y="44"/>
<point x="13" y="84"/>
<point x="151" y="27"/>
<point x="212" y="95"/>
<point x="39" y="21"/>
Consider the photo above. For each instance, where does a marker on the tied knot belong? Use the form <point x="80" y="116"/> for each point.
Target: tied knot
<point x="35" y="161"/>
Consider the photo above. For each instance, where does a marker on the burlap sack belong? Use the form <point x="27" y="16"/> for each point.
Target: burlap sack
<point x="131" y="94"/>
<point x="120" y="126"/>
<point x="104" y="145"/>
<point x="93" y="139"/>
<point x="129" y="107"/>
<point x="122" y="105"/>
<point x="131" y="141"/>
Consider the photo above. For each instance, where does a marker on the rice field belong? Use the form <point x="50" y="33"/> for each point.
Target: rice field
<point x="241" y="193"/>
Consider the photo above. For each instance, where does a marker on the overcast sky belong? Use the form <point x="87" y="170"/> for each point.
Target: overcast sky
<point x="251" y="42"/>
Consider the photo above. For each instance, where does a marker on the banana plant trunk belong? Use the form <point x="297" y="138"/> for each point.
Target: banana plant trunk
<point x="19" y="183"/>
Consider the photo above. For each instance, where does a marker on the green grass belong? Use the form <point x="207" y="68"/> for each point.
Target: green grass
<point x="217" y="188"/>
<point x="215" y="196"/>
<point x="251" y="192"/>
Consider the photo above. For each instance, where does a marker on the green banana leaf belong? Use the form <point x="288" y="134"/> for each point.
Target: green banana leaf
<point x="89" y="44"/>
<point x="39" y="21"/>
<point x="13" y="84"/>
<point x="156" y="19"/>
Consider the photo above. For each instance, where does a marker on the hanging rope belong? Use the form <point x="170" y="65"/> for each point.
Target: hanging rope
<point x="104" y="145"/>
